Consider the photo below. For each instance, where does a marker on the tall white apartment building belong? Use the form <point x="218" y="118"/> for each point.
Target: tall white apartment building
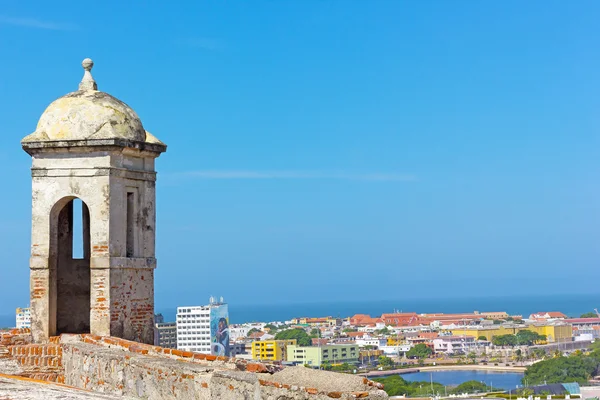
<point x="204" y="329"/>
<point x="23" y="318"/>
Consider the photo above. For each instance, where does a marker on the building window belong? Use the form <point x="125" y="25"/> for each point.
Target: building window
<point x="130" y="246"/>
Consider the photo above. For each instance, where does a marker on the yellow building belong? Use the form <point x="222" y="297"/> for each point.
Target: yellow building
<point x="553" y="332"/>
<point x="329" y="321"/>
<point x="272" y="350"/>
<point x="395" y="341"/>
<point x="487" y="332"/>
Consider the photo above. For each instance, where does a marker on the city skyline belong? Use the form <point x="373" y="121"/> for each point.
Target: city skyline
<point x="323" y="146"/>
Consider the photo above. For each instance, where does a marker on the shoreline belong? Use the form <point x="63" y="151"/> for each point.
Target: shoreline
<point x="403" y="371"/>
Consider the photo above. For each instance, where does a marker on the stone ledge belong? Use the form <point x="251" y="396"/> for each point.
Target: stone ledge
<point x="40" y="262"/>
<point x="83" y="145"/>
<point x="122" y="263"/>
<point x="94" y="172"/>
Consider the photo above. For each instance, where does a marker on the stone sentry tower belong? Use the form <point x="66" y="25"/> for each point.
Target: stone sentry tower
<point x="92" y="147"/>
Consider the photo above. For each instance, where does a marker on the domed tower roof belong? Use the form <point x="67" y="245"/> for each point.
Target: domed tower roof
<point x="90" y="115"/>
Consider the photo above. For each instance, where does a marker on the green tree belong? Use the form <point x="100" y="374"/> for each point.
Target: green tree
<point x="419" y="351"/>
<point x="343" y="367"/>
<point x="472" y="356"/>
<point x="385" y="361"/>
<point x="346" y="330"/>
<point x="526" y="392"/>
<point x="251" y="331"/>
<point x="527" y="337"/>
<point x="383" y="331"/>
<point x="482" y="337"/>
<point x="471" y="387"/>
<point x="589" y="315"/>
<point x="538" y="353"/>
<point x="302" y="338"/>
<point x="272" y="328"/>
<point x="575" y="368"/>
<point x="504" y="340"/>
<point x="315" y="333"/>
<point x="395" y="385"/>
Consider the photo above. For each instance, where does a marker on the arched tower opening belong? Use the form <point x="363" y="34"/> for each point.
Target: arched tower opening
<point x="70" y="257"/>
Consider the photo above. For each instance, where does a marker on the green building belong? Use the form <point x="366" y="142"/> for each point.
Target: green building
<point x="317" y="355"/>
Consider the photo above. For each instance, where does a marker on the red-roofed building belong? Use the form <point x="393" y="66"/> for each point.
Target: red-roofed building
<point x="428" y="335"/>
<point x="583" y="322"/>
<point x="319" y="342"/>
<point x="401" y="319"/>
<point x="447" y="319"/>
<point x="364" y="320"/>
<point x="547" y="315"/>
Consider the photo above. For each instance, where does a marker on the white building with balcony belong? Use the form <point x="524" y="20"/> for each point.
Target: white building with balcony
<point x="367" y="340"/>
<point x="454" y="344"/>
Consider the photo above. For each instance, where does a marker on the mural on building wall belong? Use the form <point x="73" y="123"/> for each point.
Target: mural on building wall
<point x="219" y="330"/>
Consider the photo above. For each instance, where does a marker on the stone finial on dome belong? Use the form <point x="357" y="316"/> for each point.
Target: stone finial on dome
<point x="88" y="82"/>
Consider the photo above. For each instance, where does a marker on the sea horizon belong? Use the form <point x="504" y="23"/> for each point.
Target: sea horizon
<point x="573" y="305"/>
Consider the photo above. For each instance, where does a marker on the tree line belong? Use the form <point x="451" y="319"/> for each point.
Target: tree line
<point x="579" y="367"/>
<point x="521" y="338"/>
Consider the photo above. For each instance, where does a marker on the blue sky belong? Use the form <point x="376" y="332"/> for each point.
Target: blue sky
<point x="333" y="150"/>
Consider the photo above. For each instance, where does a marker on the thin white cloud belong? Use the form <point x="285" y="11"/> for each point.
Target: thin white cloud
<point x="35" y="23"/>
<point x="245" y="174"/>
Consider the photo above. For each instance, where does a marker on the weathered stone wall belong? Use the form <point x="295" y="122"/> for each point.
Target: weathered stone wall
<point x="124" y="368"/>
<point x="110" y="292"/>
<point x="132" y="303"/>
<point x="132" y="247"/>
<point x="120" y="367"/>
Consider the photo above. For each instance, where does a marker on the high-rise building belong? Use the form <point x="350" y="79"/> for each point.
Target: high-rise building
<point x="23" y="318"/>
<point x="204" y="329"/>
<point x="165" y="334"/>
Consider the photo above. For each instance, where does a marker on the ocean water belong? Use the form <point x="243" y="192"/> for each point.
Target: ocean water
<point x="500" y="380"/>
<point x="278" y="310"/>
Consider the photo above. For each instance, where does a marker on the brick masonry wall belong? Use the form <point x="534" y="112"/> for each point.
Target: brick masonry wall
<point x="36" y="361"/>
<point x="132" y="304"/>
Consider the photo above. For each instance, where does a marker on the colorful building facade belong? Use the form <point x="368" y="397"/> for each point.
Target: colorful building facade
<point x="271" y="350"/>
<point x="315" y="356"/>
